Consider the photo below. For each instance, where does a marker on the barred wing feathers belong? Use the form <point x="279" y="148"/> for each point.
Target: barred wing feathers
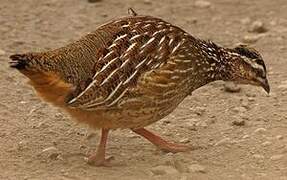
<point x="138" y="45"/>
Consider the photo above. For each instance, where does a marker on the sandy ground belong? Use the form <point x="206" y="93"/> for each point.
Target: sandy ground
<point x="236" y="135"/>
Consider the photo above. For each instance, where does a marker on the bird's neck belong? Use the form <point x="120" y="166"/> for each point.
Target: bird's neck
<point x="204" y="75"/>
<point x="208" y="63"/>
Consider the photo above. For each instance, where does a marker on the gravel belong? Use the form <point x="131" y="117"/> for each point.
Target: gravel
<point x="162" y="170"/>
<point x="231" y="87"/>
<point x="202" y="4"/>
<point x="258" y="27"/>
<point x="197" y="168"/>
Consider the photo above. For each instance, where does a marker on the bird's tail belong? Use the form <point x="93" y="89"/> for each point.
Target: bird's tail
<point x="49" y="84"/>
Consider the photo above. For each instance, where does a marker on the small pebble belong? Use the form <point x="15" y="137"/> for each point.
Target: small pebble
<point x="283" y="85"/>
<point x="249" y="94"/>
<point x="231" y="87"/>
<point x="180" y="166"/>
<point x="245" y="21"/>
<point x="239" y="122"/>
<point x="239" y="109"/>
<point x="260" y="130"/>
<point x="251" y="38"/>
<point x="199" y="110"/>
<point x="83" y="146"/>
<point x="251" y="99"/>
<point x="185" y="177"/>
<point x="132" y="135"/>
<point x="22" y="145"/>
<point x="262" y="174"/>
<point x="104" y="15"/>
<point x="91" y="135"/>
<point x="185" y="140"/>
<point x="49" y="149"/>
<point x="245" y="136"/>
<point x="279" y="137"/>
<point x="162" y="170"/>
<point x="51" y="152"/>
<point x="147" y="2"/>
<point x="192" y="20"/>
<point x="276" y="157"/>
<point x="243" y="116"/>
<point x="266" y="143"/>
<point x="202" y="4"/>
<point x="192" y="127"/>
<point x="94" y="1"/>
<point x="222" y="142"/>
<point x="258" y="156"/>
<point x="201" y="124"/>
<point x="166" y="121"/>
<point x="197" y="168"/>
<point x="258" y="27"/>
<point x="2" y="52"/>
<point x="245" y="104"/>
<point x="63" y="171"/>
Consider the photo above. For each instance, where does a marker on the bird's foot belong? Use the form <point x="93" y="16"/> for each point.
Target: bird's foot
<point x="95" y="160"/>
<point x="161" y="143"/>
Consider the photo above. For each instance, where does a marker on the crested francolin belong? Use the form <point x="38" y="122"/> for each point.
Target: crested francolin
<point x="132" y="72"/>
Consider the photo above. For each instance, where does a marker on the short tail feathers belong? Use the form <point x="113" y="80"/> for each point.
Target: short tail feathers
<point x="19" y="61"/>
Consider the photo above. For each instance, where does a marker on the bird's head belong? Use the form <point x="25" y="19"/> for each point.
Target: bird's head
<point x="246" y="66"/>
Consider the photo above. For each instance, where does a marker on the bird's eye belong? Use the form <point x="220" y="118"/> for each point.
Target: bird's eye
<point x="259" y="61"/>
<point x="261" y="73"/>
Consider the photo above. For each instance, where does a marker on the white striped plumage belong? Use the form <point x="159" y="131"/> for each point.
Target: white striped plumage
<point x="154" y="43"/>
<point x="147" y="58"/>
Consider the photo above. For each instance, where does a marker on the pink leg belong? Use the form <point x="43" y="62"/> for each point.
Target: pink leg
<point x="98" y="159"/>
<point x="161" y="143"/>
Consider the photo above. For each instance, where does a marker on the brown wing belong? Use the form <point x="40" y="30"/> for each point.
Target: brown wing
<point x="138" y="45"/>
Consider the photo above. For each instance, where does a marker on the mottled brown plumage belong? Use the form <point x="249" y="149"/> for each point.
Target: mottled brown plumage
<point x="134" y="71"/>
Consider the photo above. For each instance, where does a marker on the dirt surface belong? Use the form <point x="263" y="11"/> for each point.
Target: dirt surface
<point x="238" y="135"/>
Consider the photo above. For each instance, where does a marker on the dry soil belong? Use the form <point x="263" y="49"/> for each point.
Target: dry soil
<point x="235" y="135"/>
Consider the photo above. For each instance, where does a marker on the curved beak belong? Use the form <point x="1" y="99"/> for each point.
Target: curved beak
<point x="265" y="85"/>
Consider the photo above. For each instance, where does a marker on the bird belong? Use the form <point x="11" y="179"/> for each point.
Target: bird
<point x="132" y="72"/>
